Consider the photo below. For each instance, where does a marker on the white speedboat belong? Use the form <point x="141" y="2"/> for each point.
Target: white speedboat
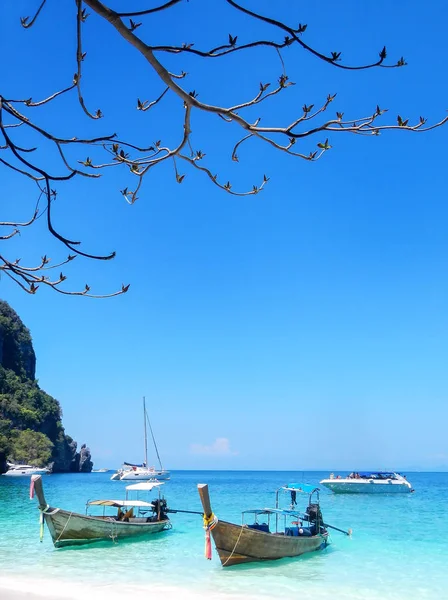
<point x="25" y="470"/>
<point x="369" y="482"/>
<point x="133" y="472"/>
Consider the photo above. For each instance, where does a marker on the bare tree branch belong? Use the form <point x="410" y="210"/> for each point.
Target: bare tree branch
<point x="27" y="24"/>
<point x="136" y="159"/>
<point x="79" y="59"/>
<point x="150" y="10"/>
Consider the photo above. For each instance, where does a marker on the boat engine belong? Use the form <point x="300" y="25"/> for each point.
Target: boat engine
<point x="160" y="507"/>
<point x="314" y="514"/>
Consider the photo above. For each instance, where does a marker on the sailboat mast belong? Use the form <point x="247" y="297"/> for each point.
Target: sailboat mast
<point x="146" y="437"/>
<point x="154" y="442"/>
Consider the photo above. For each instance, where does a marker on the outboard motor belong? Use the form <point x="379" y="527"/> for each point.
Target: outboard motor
<point x="315" y="516"/>
<point x="160" y="508"/>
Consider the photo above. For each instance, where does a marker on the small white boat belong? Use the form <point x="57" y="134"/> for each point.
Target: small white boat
<point x="27" y="470"/>
<point x="100" y="470"/>
<point x="369" y="482"/>
<point x="133" y="472"/>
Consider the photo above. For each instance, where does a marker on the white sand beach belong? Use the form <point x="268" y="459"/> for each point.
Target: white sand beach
<point x="11" y="589"/>
<point x="14" y="594"/>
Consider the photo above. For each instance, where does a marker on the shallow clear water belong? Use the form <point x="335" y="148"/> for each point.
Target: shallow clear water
<point x="397" y="550"/>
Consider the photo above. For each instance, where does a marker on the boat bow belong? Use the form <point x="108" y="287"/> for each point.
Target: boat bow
<point x="36" y="487"/>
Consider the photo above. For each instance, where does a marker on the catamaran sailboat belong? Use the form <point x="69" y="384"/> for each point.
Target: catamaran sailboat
<point x="141" y="472"/>
<point x="131" y="471"/>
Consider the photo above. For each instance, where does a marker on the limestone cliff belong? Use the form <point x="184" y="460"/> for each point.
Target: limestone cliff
<point x="31" y="429"/>
<point x="16" y="348"/>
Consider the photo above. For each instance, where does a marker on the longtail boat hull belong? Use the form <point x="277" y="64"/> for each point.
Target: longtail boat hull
<point x="67" y="528"/>
<point x="238" y="544"/>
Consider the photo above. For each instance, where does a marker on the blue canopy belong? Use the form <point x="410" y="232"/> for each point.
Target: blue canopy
<point x="300" y="487"/>
<point x="288" y="513"/>
<point x="377" y="473"/>
<point x="258" y="511"/>
<point x="275" y="511"/>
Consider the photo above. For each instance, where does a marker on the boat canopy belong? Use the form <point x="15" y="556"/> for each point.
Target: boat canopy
<point x="300" y="487"/>
<point x="274" y="511"/>
<point x="145" y="486"/>
<point x="134" y="465"/>
<point x="120" y="503"/>
<point x="258" y="511"/>
<point x="284" y="511"/>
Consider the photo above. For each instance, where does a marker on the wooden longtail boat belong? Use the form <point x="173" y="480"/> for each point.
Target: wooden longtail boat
<point x="69" y="528"/>
<point x="244" y="543"/>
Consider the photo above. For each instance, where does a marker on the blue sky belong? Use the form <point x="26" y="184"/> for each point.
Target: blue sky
<point x="302" y="328"/>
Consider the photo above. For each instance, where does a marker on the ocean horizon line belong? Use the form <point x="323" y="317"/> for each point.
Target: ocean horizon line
<point x="320" y="470"/>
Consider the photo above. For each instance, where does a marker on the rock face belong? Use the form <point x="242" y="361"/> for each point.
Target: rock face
<point x="3" y="465"/>
<point x="82" y="461"/>
<point x="16" y="348"/>
<point x="25" y="407"/>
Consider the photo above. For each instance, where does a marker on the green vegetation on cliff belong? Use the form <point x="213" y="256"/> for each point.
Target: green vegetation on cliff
<point x="31" y="430"/>
<point x="25" y="407"/>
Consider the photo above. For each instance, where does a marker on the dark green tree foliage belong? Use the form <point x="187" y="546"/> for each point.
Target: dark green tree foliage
<point x="31" y="430"/>
<point x="31" y="447"/>
<point x="25" y="406"/>
<point x="16" y="349"/>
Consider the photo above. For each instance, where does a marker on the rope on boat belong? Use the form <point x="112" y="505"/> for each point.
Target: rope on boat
<point x="68" y="521"/>
<point x="53" y="512"/>
<point x="41" y="519"/>
<point x="234" y="548"/>
<point x="41" y="522"/>
<point x="153" y="439"/>
<point x="113" y="530"/>
<point x="209" y="524"/>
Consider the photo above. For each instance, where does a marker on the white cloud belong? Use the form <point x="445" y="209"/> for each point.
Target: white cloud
<point x="220" y="447"/>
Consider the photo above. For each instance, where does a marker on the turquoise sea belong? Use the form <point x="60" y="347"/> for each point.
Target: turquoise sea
<point x="397" y="550"/>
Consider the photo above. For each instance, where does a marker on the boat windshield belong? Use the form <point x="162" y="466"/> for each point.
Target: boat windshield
<point x="374" y="475"/>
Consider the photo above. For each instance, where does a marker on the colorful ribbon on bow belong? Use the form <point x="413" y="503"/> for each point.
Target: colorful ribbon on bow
<point x="209" y="523"/>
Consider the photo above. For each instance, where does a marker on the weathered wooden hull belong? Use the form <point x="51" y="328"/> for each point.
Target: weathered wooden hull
<point x="237" y="544"/>
<point x="67" y="528"/>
